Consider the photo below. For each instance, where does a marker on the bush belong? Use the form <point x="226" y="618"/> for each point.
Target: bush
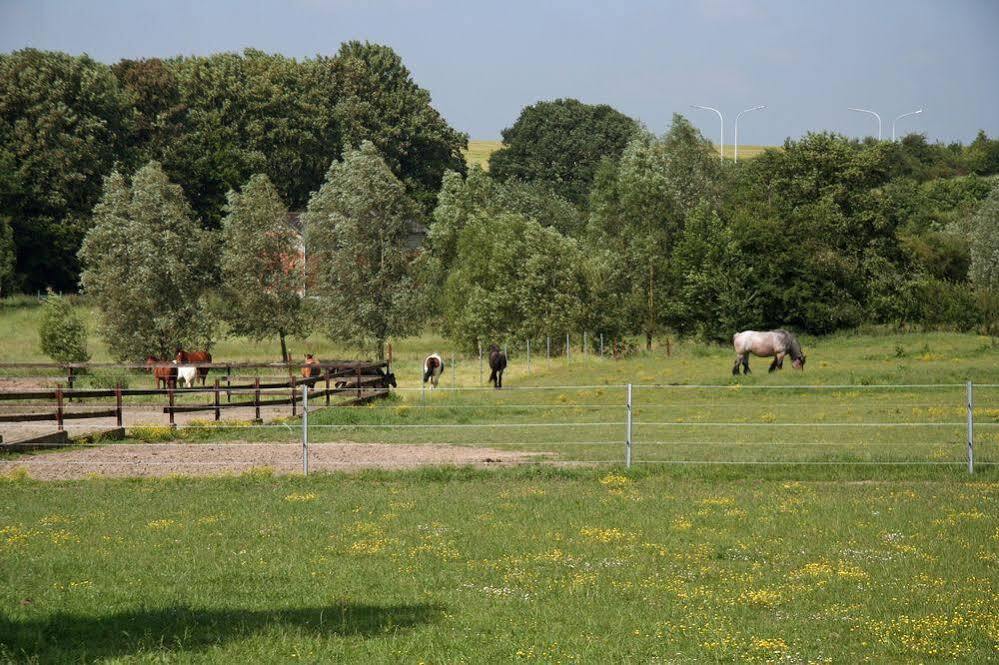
<point x="62" y="333"/>
<point x="109" y="379"/>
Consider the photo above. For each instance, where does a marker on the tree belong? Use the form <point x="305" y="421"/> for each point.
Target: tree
<point x="639" y="207"/>
<point x="358" y="227"/>
<point x="560" y="143"/>
<point x="62" y="335"/>
<point x="63" y="120"/>
<point x="262" y="271"/>
<point x="146" y="267"/>
<point x="7" y="257"/>
<point x="374" y="98"/>
<point x="985" y="243"/>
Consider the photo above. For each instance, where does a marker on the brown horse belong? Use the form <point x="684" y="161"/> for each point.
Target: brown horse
<point x="497" y="363"/>
<point x="164" y="371"/>
<point x="311" y="367"/>
<point x="183" y="358"/>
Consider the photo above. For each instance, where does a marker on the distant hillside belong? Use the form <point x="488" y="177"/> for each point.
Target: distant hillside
<point x="478" y="151"/>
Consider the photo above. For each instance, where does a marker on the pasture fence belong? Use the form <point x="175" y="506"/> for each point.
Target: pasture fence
<point x="614" y="424"/>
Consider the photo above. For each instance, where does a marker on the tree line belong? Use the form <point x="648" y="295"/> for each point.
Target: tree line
<point x="585" y="220"/>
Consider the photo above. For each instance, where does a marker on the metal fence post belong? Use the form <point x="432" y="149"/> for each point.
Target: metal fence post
<point x="480" y="363"/>
<point x="586" y="344"/>
<point x="548" y="352"/>
<point x="528" y="356"/>
<point x="567" y="350"/>
<point x="305" y="429"/>
<point x="454" y="375"/>
<point x="256" y="398"/>
<point x="627" y="440"/>
<point x="601" y="345"/>
<point x="971" y="429"/>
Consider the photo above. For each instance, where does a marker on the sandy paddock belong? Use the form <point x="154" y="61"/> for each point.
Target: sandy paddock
<point x="207" y="459"/>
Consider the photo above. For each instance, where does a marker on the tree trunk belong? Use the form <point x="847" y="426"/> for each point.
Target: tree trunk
<point x="651" y="311"/>
<point x="284" y="348"/>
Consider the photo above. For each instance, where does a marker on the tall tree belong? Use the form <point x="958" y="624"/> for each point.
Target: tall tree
<point x="639" y="207"/>
<point x="262" y="266"/>
<point x="358" y="228"/>
<point x="985" y="243"/>
<point x="7" y="257"/>
<point x="63" y="120"/>
<point x="146" y="266"/>
<point x="560" y="143"/>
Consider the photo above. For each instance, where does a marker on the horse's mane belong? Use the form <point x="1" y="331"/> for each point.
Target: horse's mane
<point x="792" y="343"/>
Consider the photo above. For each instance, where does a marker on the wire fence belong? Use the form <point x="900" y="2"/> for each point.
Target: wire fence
<point x="638" y="424"/>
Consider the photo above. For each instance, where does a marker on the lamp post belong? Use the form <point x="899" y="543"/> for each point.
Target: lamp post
<point x="721" y="120"/>
<point x="899" y="118"/>
<point x="872" y="113"/>
<point x="755" y="108"/>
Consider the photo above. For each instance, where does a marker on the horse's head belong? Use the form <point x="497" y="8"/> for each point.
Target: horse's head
<point x="390" y="379"/>
<point x="799" y="363"/>
<point x="180" y="356"/>
<point x="151" y="361"/>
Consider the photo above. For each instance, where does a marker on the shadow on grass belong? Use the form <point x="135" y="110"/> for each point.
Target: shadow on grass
<point x="63" y="637"/>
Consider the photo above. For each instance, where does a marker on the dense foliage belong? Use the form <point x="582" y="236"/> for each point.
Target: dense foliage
<point x="62" y="334"/>
<point x="358" y="228"/>
<point x="560" y="143"/>
<point x="263" y="272"/>
<point x="147" y="266"/>
<point x="211" y="122"/>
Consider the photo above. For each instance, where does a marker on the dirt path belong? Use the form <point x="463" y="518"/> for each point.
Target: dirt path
<point x="209" y="459"/>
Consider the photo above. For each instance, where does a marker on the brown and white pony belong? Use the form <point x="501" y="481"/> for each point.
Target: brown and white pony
<point x="183" y="357"/>
<point x="433" y="367"/>
<point x="497" y="363"/>
<point x="775" y="343"/>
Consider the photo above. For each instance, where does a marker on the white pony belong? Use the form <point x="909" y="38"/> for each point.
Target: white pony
<point x="776" y="343"/>
<point x="186" y="374"/>
<point x="433" y="367"/>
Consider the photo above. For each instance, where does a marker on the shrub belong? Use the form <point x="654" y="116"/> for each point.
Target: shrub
<point x="62" y="333"/>
<point x="109" y="379"/>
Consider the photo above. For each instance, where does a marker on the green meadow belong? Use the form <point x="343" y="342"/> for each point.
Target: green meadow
<point x="885" y="551"/>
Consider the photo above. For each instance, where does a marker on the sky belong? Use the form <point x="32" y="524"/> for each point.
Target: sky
<point x="484" y="61"/>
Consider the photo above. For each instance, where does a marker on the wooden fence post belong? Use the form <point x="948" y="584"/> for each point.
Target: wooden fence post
<point x="59" y="408"/>
<point x="328" y="385"/>
<point x="69" y="382"/>
<point x="256" y="397"/>
<point x="228" y="384"/>
<point x="117" y="404"/>
<point x="294" y="408"/>
<point x="358" y="383"/>
<point x="218" y="413"/>
<point x="170" y="399"/>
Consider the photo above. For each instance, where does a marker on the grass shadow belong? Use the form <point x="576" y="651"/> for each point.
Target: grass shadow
<point x="63" y="637"/>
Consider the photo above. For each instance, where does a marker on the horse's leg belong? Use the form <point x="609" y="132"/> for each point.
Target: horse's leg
<point x="774" y="364"/>
<point x="735" y="367"/>
<point x="780" y="360"/>
<point x="499" y="380"/>
<point x="745" y="363"/>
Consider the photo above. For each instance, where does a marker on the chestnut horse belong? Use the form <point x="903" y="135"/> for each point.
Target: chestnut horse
<point x="164" y="372"/>
<point x="311" y="367"/>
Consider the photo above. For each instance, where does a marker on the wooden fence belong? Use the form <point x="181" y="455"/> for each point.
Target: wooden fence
<point x="361" y="381"/>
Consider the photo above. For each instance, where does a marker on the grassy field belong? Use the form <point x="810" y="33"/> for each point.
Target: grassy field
<point x="478" y="151"/>
<point x="771" y="562"/>
<point x="511" y="566"/>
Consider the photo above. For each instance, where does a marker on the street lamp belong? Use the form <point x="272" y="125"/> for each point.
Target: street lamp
<point x="721" y="120"/>
<point x="872" y="113"/>
<point x="755" y="108"/>
<point x="899" y="118"/>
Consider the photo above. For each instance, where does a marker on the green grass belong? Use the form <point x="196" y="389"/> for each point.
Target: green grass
<point x="531" y="565"/>
<point x="677" y="563"/>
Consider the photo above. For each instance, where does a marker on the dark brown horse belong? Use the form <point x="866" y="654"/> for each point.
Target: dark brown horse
<point x="497" y="363"/>
<point x="185" y="358"/>
<point x="164" y="371"/>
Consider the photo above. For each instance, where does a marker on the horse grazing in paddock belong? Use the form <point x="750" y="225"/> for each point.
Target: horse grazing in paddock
<point x="388" y="378"/>
<point x="497" y="363"/>
<point x="433" y="367"/>
<point x="164" y="373"/>
<point x="311" y="367"/>
<point x="776" y="343"/>
<point x="195" y="357"/>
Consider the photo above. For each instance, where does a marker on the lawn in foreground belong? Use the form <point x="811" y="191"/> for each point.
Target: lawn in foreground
<point x="535" y="565"/>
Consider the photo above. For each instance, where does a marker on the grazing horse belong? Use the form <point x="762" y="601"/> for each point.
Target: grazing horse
<point x="433" y="367"/>
<point x="776" y="343"/>
<point x="388" y="378"/>
<point x="163" y="371"/>
<point x="311" y="367"/>
<point x="195" y="357"/>
<point x="497" y="363"/>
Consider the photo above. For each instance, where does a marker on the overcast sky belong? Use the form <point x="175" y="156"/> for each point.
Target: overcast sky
<point x="483" y="61"/>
